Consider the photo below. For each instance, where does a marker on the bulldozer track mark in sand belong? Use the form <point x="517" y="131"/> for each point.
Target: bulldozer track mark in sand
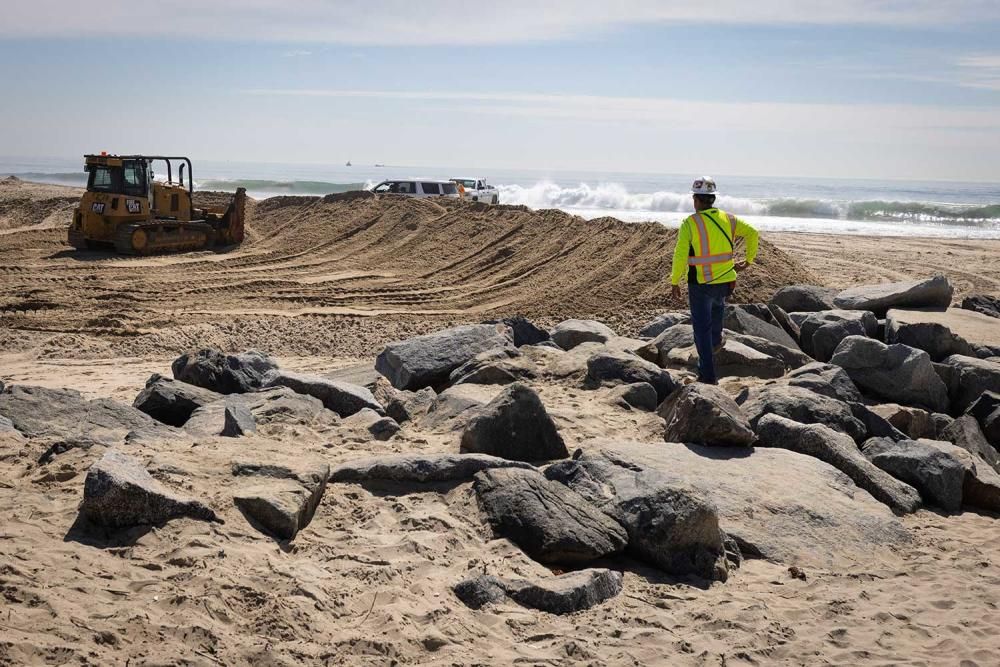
<point x="344" y="275"/>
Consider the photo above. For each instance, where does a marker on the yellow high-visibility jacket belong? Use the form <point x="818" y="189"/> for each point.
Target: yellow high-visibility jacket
<point x="705" y="242"/>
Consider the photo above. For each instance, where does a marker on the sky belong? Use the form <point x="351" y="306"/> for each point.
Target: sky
<point x="900" y="89"/>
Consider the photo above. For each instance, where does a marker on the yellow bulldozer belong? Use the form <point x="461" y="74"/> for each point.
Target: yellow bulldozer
<point x="126" y="208"/>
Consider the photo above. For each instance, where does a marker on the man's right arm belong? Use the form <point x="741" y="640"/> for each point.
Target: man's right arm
<point x="681" y="250"/>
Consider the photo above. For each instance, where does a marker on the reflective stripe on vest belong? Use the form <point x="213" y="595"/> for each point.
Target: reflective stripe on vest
<point x="698" y="260"/>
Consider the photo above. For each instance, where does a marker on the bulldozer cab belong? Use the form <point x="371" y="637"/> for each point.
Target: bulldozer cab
<point x="133" y="176"/>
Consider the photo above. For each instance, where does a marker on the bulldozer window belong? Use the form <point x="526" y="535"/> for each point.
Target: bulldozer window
<point x="101" y="179"/>
<point x="135" y="179"/>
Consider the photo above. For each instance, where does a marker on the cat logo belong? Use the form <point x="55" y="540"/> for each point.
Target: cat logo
<point x="133" y="205"/>
<point x="98" y="207"/>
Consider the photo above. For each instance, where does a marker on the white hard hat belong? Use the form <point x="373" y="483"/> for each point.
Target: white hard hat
<point x="704" y="186"/>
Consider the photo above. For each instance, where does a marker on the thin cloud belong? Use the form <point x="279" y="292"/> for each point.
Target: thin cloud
<point x="980" y="71"/>
<point x="402" y="22"/>
<point x="681" y="113"/>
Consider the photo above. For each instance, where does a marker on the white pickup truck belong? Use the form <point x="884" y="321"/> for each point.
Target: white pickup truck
<point x="477" y="189"/>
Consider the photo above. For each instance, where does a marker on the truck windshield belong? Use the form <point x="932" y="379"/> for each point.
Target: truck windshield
<point x="466" y="183"/>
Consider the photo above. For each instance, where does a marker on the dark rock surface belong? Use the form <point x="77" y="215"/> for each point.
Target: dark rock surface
<point x="739" y="320"/>
<point x="972" y="378"/>
<point x="523" y="330"/>
<point x="705" y="415"/>
<point x="842" y="453"/>
<point x="933" y="292"/>
<point x="895" y="373"/>
<point x="550" y="523"/>
<point x="499" y="366"/>
<point x="658" y="349"/>
<point x="570" y="333"/>
<point x="279" y="405"/>
<point x="119" y="493"/>
<point x="822" y="332"/>
<point x="804" y="298"/>
<point x="237" y="418"/>
<point x="966" y="433"/>
<point x="876" y="425"/>
<point x="40" y="412"/>
<point x="514" y="425"/>
<point x="420" y="467"/>
<point x="281" y="507"/>
<point x="428" y="360"/>
<point x="939" y="477"/>
<point x="914" y="422"/>
<point x="625" y="368"/>
<point x="661" y="323"/>
<point x="777" y="504"/>
<point x="986" y="410"/>
<point x="982" y="303"/>
<point x="826" y="380"/>
<point x="638" y="395"/>
<point x="567" y="593"/>
<point x="784" y="321"/>
<point x="171" y="401"/>
<point x="341" y="397"/>
<point x="669" y="525"/>
<point x="734" y="359"/>
<point x="803" y="406"/>
<point x="224" y="373"/>
<point x="934" y="338"/>
<point x="791" y="358"/>
<point x="480" y="591"/>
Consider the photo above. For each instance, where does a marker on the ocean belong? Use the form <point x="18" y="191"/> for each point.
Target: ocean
<point x="951" y="209"/>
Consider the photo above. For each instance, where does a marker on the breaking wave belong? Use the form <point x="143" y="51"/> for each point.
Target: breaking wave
<point x="615" y="197"/>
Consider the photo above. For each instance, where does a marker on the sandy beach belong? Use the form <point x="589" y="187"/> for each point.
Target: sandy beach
<point x="323" y="284"/>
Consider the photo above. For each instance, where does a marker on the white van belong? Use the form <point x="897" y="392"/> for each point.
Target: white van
<point x="417" y="188"/>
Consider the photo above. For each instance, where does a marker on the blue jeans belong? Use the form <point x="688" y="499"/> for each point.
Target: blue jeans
<point x="708" y="309"/>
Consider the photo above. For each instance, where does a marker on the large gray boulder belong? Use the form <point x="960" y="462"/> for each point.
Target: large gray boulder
<point x="658" y="349"/>
<point x="784" y="320"/>
<point x="876" y="425"/>
<point x="777" y="504"/>
<point x="420" y="468"/>
<point x="612" y="368"/>
<point x="925" y="331"/>
<point x="224" y="373"/>
<point x="428" y="360"/>
<point x="897" y="373"/>
<point x="803" y="406"/>
<point x="400" y="404"/>
<point x="119" y="493"/>
<point x="706" y="415"/>
<point x="498" y="366"/>
<point x="938" y="476"/>
<point x="739" y="320"/>
<point x="986" y="410"/>
<point x="804" y="298"/>
<point x="452" y="409"/>
<point x="966" y="433"/>
<point x="570" y="333"/>
<point x="550" y="523"/>
<point x="341" y="397"/>
<point x="171" y="401"/>
<point x="280" y="500"/>
<point x="791" y="358"/>
<point x="825" y="379"/>
<point x="638" y="395"/>
<point x="276" y="406"/>
<point x="982" y="303"/>
<point x="914" y="422"/>
<point x="933" y="292"/>
<point x="820" y="333"/>
<point x="523" y="331"/>
<point x="842" y="453"/>
<point x="66" y="416"/>
<point x="514" y="425"/>
<point x="972" y="378"/>
<point x="669" y="525"/>
<point x="237" y="418"/>
<point x="734" y="359"/>
<point x="661" y="323"/>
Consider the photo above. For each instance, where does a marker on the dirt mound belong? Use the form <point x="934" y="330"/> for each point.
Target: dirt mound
<point x="318" y="273"/>
<point x="25" y="204"/>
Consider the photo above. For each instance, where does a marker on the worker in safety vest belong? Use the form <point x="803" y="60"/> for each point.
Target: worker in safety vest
<point x="705" y="248"/>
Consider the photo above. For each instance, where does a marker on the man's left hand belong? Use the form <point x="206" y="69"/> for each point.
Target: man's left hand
<point x="675" y="292"/>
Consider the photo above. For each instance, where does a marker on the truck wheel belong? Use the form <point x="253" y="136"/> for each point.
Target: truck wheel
<point x="475" y="198"/>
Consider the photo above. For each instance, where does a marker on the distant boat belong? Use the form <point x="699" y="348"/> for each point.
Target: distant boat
<point x="380" y="165"/>
<point x="348" y="164"/>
